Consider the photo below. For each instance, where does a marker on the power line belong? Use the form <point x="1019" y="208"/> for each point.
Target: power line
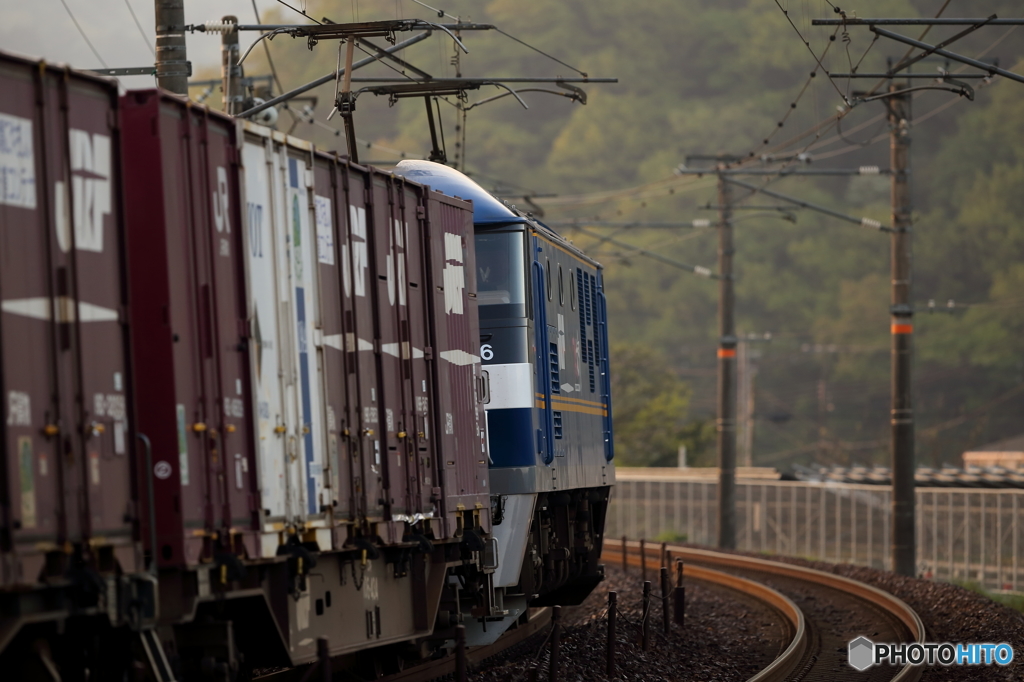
<point x="302" y="12"/>
<point x="145" y="38"/>
<point x="811" y="50"/>
<point x="82" y="33"/>
<point x="266" y="48"/>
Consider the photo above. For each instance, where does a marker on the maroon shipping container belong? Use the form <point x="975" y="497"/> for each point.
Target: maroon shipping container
<point x="455" y="329"/>
<point x="189" y="326"/>
<point x="66" y="432"/>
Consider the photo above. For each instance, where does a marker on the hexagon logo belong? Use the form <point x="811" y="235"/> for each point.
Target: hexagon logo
<point x="860" y="653"/>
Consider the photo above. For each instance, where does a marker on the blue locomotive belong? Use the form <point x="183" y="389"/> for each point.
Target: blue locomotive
<point x="544" y="347"/>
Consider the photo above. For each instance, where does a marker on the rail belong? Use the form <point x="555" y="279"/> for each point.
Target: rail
<point x="785" y="663"/>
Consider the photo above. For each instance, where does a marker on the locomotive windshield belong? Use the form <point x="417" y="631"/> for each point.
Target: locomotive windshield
<point x="500" y="274"/>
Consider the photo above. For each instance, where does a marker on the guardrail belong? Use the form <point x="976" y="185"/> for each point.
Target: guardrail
<point x="963" y="534"/>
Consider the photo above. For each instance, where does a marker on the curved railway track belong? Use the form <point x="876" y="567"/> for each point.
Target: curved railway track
<point x="831" y="610"/>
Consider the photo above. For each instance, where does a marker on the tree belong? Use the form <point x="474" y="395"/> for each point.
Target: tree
<point x="650" y="405"/>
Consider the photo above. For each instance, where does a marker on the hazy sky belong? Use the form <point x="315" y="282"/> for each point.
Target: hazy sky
<point x="43" y="29"/>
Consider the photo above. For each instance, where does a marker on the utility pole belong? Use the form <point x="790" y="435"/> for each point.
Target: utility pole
<point x="726" y="423"/>
<point x="903" y="540"/>
<point x="230" y="70"/>
<point x="172" y="65"/>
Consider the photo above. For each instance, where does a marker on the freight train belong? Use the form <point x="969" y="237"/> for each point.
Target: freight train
<point x="259" y="399"/>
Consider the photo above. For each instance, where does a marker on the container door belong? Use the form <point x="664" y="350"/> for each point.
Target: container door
<point x="309" y="385"/>
<point x="231" y="439"/>
<point x="327" y="217"/>
<point x="391" y="297"/>
<point x="367" y="468"/>
<point x="416" y="337"/>
<point x="258" y="159"/>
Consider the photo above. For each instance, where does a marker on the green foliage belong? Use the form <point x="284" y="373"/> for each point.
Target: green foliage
<point x="650" y="409"/>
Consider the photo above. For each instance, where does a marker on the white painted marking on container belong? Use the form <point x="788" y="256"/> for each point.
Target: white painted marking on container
<point x="90" y="187"/>
<point x="460" y="357"/>
<point x="39" y="308"/>
<point x="19" y="409"/>
<point x="336" y="341"/>
<point x="454" y="274"/>
<point x="17" y="162"/>
<point x="416" y="355"/>
<point x="162" y="470"/>
<point x="365" y="345"/>
<point x="324" y="230"/>
<point x="390" y="349"/>
<point x="220" y="203"/>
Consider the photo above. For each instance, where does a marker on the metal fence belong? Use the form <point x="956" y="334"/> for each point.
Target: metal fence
<point x="963" y="534"/>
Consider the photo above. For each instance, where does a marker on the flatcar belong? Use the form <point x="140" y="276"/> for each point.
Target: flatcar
<point x="260" y="399"/>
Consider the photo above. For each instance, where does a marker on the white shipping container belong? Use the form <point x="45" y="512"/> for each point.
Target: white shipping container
<point x="285" y="320"/>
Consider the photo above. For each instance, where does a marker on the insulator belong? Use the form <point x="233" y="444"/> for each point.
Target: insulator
<point x="705" y="272"/>
<point x="702" y="222"/>
<point x="870" y="222"/>
<point x="219" y="27"/>
<point x="869" y="170"/>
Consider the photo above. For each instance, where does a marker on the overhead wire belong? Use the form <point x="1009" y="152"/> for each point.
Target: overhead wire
<point x="138" y="25"/>
<point x="300" y="11"/>
<point x="84" y="36"/>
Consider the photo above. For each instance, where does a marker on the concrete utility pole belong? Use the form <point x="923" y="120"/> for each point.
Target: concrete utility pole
<point x="172" y="66"/>
<point x="230" y="70"/>
<point x="903" y="540"/>
<point x="726" y="422"/>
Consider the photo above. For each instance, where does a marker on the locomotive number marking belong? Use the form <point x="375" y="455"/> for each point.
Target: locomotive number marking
<point x="487" y="352"/>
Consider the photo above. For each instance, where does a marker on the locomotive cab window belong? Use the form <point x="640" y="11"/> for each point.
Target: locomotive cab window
<point x="561" y="287"/>
<point x="501" y="274"/>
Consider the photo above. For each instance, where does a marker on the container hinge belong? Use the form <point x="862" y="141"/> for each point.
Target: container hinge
<point x="428" y="353"/>
<point x="309" y="178"/>
<point x="368" y="196"/>
<point x="421" y="212"/>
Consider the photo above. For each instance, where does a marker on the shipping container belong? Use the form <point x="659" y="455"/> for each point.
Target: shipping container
<point x="67" y="484"/>
<point x="189" y="326"/>
<point x="378" y="448"/>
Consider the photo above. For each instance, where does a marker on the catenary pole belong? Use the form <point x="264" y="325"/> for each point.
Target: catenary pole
<point x="726" y="423"/>
<point x="902" y="415"/>
<point x="172" y="66"/>
<point x="231" y="70"/>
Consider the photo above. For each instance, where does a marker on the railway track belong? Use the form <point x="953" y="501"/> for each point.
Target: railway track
<point x="825" y="611"/>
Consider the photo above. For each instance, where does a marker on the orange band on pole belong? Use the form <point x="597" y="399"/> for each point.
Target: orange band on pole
<point x="903" y="329"/>
<point x="726" y="352"/>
